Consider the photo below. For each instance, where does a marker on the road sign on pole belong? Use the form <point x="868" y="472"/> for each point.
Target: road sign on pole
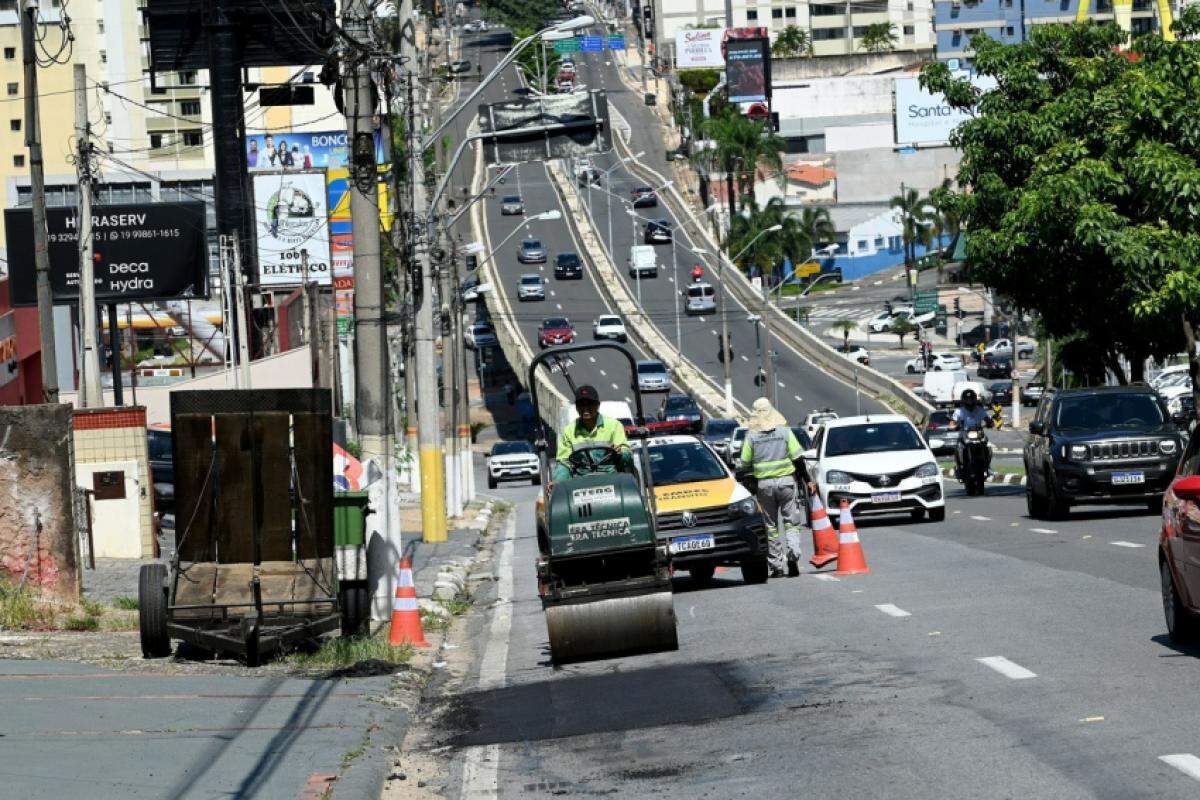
<point x="591" y="44"/>
<point x="566" y="45"/>
<point x="616" y="42"/>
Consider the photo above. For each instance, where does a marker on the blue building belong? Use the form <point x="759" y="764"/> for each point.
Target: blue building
<point x="1009" y="21"/>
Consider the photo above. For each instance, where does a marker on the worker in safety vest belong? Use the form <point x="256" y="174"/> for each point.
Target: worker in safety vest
<point x="769" y="450"/>
<point x="590" y="430"/>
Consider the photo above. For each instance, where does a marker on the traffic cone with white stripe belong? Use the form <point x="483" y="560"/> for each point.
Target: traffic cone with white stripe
<point x="825" y="538"/>
<point x="851" y="560"/>
<point x="406" y="617"/>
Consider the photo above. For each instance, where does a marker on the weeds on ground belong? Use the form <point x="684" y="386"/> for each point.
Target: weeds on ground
<point x="126" y="603"/>
<point x="348" y="651"/>
<point x="434" y="622"/>
<point x="22" y="608"/>
<point x="82" y="623"/>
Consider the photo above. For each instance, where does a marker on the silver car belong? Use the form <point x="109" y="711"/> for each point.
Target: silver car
<point x="701" y="298"/>
<point x="652" y="376"/>
<point x="531" y="252"/>
<point x="512" y="205"/>
<point x="531" y="287"/>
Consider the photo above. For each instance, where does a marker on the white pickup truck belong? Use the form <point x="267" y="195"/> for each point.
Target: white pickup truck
<point x="642" y="261"/>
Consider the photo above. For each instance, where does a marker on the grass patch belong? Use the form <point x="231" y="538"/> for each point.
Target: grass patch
<point x="434" y="622"/>
<point x="348" y="651"/>
<point x="21" y="610"/>
<point x="83" y="623"/>
<point x="458" y="605"/>
<point x="126" y="603"/>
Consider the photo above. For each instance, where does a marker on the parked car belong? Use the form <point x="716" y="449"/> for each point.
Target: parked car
<point x="940" y="362"/>
<point x="475" y="26"/>
<point x="1180" y="579"/>
<point x="555" y="330"/>
<point x="858" y="354"/>
<point x="512" y="205"/>
<point x="879" y="464"/>
<point x="480" y="334"/>
<point x="717" y="432"/>
<point x="1002" y="392"/>
<point x="657" y="231"/>
<point x="1109" y="444"/>
<point x="162" y="469"/>
<point x="531" y="252"/>
<point x="470" y="289"/>
<point x="994" y="368"/>
<point x="568" y="266"/>
<point x="460" y="66"/>
<point x="937" y="426"/>
<point x="531" y="287"/>
<point x="652" y="376"/>
<point x="681" y="408"/>
<point x="644" y="197"/>
<point x="701" y="298"/>
<point x="883" y="321"/>
<point x="1031" y="393"/>
<point x="512" y="461"/>
<point x="609" y="326"/>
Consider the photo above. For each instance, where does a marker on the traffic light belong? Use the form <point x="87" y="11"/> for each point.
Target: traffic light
<point x="958" y="308"/>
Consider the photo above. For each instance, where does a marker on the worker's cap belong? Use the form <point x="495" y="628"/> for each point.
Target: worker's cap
<point x="587" y="393"/>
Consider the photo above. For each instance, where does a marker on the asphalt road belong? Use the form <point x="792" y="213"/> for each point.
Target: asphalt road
<point x="989" y="656"/>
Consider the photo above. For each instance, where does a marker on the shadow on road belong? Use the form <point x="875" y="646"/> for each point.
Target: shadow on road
<point x="1189" y="650"/>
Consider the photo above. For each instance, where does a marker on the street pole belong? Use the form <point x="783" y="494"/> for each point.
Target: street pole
<point x="449" y="400"/>
<point x="311" y="331"/>
<point x="239" y="302"/>
<point x="726" y="356"/>
<point x="114" y="347"/>
<point x="37" y="185"/>
<point x="678" y="297"/>
<point x="90" y="395"/>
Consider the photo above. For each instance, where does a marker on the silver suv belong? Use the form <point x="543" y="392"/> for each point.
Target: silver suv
<point x="531" y="287"/>
<point x="652" y="376"/>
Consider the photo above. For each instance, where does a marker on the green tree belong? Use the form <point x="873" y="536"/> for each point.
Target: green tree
<point x="792" y="41"/>
<point x="741" y="146"/>
<point x="879" y="37"/>
<point x="768" y="252"/>
<point x="1081" y="176"/>
<point x="845" y="326"/>
<point x="915" y="217"/>
<point x="817" y="225"/>
<point x="902" y="327"/>
<point x="529" y="61"/>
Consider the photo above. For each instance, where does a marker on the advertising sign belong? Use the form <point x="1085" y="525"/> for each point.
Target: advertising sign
<point x="341" y="230"/>
<point x="694" y="49"/>
<point x="9" y="366"/>
<point x="142" y="251"/>
<point x="747" y="70"/>
<point x="925" y="118"/>
<point x="291" y="215"/>
<point x="286" y="151"/>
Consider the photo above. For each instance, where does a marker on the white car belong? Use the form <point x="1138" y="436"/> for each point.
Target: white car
<point x="942" y="362"/>
<point x="480" y="334"/>
<point x="609" y="326"/>
<point x="1168" y="376"/>
<point x="879" y="464"/>
<point x="858" y="354"/>
<point x="883" y="321"/>
<point x="512" y="461"/>
<point x="475" y="26"/>
<point x="814" y="421"/>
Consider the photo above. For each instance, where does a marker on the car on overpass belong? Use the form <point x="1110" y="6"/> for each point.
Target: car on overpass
<point x="657" y="231"/>
<point x="645" y="197"/>
<point x="512" y="206"/>
<point x="532" y="251"/>
<point x="682" y="409"/>
<point x="531" y="286"/>
<point x="555" y="331"/>
<point x="609" y="326"/>
<point x="568" y="266"/>
<point x="879" y="464"/>
<point x="652" y="376"/>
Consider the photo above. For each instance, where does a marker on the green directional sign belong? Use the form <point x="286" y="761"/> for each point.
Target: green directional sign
<point x="566" y="45"/>
<point x="924" y="301"/>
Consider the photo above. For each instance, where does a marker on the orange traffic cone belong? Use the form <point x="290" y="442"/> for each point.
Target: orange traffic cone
<point x="406" y="617"/>
<point x="825" y="538"/>
<point x="851" y="560"/>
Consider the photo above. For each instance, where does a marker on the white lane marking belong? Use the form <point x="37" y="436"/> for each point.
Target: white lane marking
<point x="893" y="611"/>
<point x="616" y="387"/>
<point x="1006" y="668"/>
<point x="552" y="293"/>
<point x="829" y="578"/>
<point x="481" y="772"/>
<point x="716" y="332"/>
<point x="1043" y="530"/>
<point x="592" y="359"/>
<point x="781" y="386"/>
<point x="558" y="306"/>
<point x="798" y="400"/>
<point x="605" y="374"/>
<point x="978" y="518"/>
<point x="744" y="358"/>
<point x="1186" y="763"/>
<point x="1127" y="544"/>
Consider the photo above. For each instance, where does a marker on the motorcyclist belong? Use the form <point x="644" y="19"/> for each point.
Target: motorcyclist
<point x="970" y="414"/>
<point x="590" y="430"/>
<point x="697" y="273"/>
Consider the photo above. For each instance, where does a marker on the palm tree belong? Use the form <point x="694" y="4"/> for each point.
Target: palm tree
<point x="914" y="228"/>
<point x="817" y="225"/>
<point x="721" y="131"/>
<point x="845" y="326"/>
<point x="769" y="251"/>
<point x="902" y="327"/>
<point x="741" y="146"/>
<point x="879" y="37"/>
<point x="792" y="41"/>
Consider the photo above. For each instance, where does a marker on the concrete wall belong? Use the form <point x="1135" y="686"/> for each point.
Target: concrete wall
<point x="788" y="70"/>
<point x="37" y="517"/>
<point x="839" y="138"/>
<point x="875" y="175"/>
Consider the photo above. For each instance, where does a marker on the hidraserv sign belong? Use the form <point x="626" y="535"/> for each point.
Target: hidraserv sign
<point x="925" y="117"/>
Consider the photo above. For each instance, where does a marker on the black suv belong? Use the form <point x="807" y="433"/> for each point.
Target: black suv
<point x="568" y="265"/>
<point x="1113" y="444"/>
<point x="681" y="408"/>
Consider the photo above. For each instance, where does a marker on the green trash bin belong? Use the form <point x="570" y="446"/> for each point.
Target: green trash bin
<point x="350" y="510"/>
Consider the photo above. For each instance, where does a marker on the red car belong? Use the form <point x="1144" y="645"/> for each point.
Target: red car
<point x="1179" y="549"/>
<point x="555" y="330"/>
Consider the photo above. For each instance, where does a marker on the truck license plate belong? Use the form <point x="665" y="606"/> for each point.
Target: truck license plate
<point x="885" y="497"/>
<point x="1127" y="478"/>
<point x="690" y="544"/>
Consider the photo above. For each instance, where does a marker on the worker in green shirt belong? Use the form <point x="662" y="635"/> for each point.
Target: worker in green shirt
<point x="590" y="429"/>
<point x="770" y="450"/>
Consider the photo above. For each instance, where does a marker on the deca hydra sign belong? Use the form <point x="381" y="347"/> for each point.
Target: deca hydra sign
<point x="926" y="118"/>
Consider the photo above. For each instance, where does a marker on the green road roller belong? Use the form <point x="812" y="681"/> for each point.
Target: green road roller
<point x="603" y="576"/>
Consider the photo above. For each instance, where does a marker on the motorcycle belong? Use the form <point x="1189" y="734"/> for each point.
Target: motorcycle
<point x="697" y="274"/>
<point x="974" y="460"/>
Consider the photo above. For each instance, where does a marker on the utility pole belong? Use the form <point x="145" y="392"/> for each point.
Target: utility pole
<point x="449" y="384"/>
<point x="90" y="395"/>
<point x="37" y="183"/>
<point x="312" y="334"/>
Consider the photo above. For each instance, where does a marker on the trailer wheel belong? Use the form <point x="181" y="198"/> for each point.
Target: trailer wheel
<point x="152" y="611"/>
<point x="355" y="604"/>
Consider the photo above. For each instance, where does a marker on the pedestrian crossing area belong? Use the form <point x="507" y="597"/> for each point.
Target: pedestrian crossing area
<point x="830" y="313"/>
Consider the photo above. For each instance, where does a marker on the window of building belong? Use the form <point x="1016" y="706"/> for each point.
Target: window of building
<point x="879" y="241"/>
<point x="8" y="5"/>
<point x="752" y="15"/>
<point x="910" y="5"/>
<point x="103" y="56"/>
<point x="14" y="88"/>
<point x="826" y="10"/>
<point x="187" y="78"/>
<point x="10" y="53"/>
<point x="776" y="13"/>
<point x="1010" y="31"/>
<point x="956" y="38"/>
<point x="192" y="138"/>
<point x="971" y="32"/>
<point x="14" y="124"/>
<point x="100" y="26"/>
<point x="1007" y="3"/>
<point x="111" y="149"/>
<point x="894" y="244"/>
<point x="909" y="30"/>
<point x="156" y="141"/>
<point x="19" y="160"/>
<point x="790" y="12"/>
<point x="190" y="108"/>
<point x="862" y="244"/>
<point x="824" y="34"/>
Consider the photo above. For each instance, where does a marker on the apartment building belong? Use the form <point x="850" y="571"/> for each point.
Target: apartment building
<point x="1009" y="21"/>
<point x="836" y="28"/>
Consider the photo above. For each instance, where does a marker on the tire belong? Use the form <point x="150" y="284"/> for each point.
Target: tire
<point x="355" y="602"/>
<point x="152" y="611"/>
<point x="1035" y="504"/>
<point x="1182" y="625"/>
<point x="937" y="514"/>
<point x="536" y="480"/>
<point x="1155" y="504"/>
<point x="702" y="574"/>
<point x="491" y="482"/>
<point x="910" y="369"/>
<point x="1056" y="507"/>
<point x="917" y="514"/>
<point x="755" y="570"/>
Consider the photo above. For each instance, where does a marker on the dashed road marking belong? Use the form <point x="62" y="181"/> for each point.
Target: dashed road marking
<point x="558" y="306"/>
<point x="618" y="388"/>
<point x="978" y="518"/>
<point x="892" y="611"/>
<point x="781" y="386"/>
<point x="552" y="294"/>
<point x="1006" y="668"/>
<point x="1043" y="530"/>
<point x="1186" y="763"/>
<point x="798" y="400"/>
<point x="592" y="359"/>
<point x="744" y="358"/>
<point x="1127" y="544"/>
<point x="828" y="578"/>
<point x="716" y="332"/>
<point x="605" y="374"/>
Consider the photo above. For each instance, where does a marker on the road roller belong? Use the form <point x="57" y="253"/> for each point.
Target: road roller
<point x="603" y="576"/>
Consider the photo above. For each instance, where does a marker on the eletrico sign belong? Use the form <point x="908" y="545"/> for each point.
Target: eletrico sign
<point x="292" y="216"/>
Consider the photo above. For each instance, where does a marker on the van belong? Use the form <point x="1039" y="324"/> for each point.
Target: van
<point x="939" y="386"/>
<point x="642" y="261"/>
<point x="701" y="298"/>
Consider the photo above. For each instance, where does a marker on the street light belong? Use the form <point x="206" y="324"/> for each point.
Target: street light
<point x="545" y="216"/>
<point x="766" y="320"/>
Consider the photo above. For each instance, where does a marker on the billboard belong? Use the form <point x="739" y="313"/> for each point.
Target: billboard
<point x="341" y="231"/>
<point x="748" y="70"/>
<point x="288" y="151"/>
<point x="291" y="215"/>
<point x="142" y="251"/>
<point x="925" y="118"/>
<point x="700" y="48"/>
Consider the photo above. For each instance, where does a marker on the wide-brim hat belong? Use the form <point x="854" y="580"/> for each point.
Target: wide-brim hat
<point x="764" y="417"/>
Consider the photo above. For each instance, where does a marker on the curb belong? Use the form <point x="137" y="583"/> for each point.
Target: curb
<point x="1001" y="478"/>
